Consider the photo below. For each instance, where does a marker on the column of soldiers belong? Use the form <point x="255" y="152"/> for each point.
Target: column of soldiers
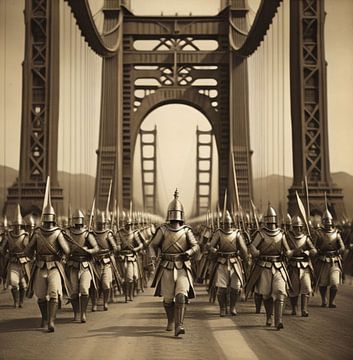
<point x="232" y="254"/>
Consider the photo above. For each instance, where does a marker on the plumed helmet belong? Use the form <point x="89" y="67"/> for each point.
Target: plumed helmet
<point x="327" y="218"/>
<point x="78" y="217"/>
<point x="271" y="216"/>
<point x="100" y="219"/>
<point x="175" y="209"/>
<point x="297" y="221"/>
<point x="18" y="220"/>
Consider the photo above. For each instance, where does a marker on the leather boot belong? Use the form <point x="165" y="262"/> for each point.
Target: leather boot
<point x="323" y="290"/>
<point x="15" y="294"/>
<point x="53" y="307"/>
<point x="268" y="304"/>
<point x="106" y="293"/>
<point x="131" y="291"/>
<point x="75" y="307"/>
<point x="222" y="301"/>
<point x="94" y="298"/>
<point x="179" y="313"/>
<point x="279" y="305"/>
<point x="333" y="292"/>
<point x="22" y="297"/>
<point x="304" y="305"/>
<point x="294" y="304"/>
<point x="258" y="302"/>
<point x="169" y="309"/>
<point x="84" y="303"/>
<point x="234" y="298"/>
<point x="43" y="307"/>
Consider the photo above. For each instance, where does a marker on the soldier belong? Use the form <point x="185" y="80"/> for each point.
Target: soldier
<point x="3" y="257"/>
<point x="104" y="260"/>
<point x="348" y="261"/>
<point x="30" y="224"/>
<point x="300" y="269"/>
<point x="79" y="265"/>
<point x="173" y="278"/>
<point x="228" y="273"/>
<point x="18" y="268"/>
<point x="48" y="276"/>
<point x="130" y="242"/>
<point x="329" y="267"/>
<point x="269" y="276"/>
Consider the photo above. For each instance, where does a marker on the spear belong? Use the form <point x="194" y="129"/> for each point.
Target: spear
<point x="307" y="195"/>
<point x="108" y="199"/>
<point x="224" y="206"/>
<point x="218" y="225"/>
<point x="302" y="212"/>
<point x="91" y="214"/>
<point x="255" y="214"/>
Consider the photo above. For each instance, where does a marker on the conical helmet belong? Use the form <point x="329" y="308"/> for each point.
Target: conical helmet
<point x="288" y="220"/>
<point x="100" y="217"/>
<point x="175" y="209"/>
<point x="271" y="216"/>
<point x="227" y="218"/>
<point x="18" y="220"/>
<point x="78" y="217"/>
<point x="29" y="219"/>
<point x="48" y="213"/>
<point x="327" y="218"/>
<point x="297" y="221"/>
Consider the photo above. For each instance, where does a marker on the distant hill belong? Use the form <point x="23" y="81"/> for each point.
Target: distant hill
<point x="79" y="188"/>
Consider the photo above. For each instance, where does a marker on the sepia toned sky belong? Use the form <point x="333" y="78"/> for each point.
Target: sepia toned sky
<point x="80" y="84"/>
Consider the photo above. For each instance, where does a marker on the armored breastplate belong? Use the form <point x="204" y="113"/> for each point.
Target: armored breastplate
<point x="297" y="242"/>
<point x="102" y="238"/>
<point x="16" y="242"/>
<point x="80" y="238"/>
<point x="328" y="240"/>
<point x="127" y="240"/>
<point x="47" y="236"/>
<point x="228" y="241"/>
<point x="175" y="241"/>
<point x="271" y="243"/>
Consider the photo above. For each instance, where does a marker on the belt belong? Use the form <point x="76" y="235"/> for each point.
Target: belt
<point x="271" y="258"/>
<point x="80" y="258"/>
<point x="299" y="258"/>
<point x="330" y="253"/>
<point x="47" y="258"/>
<point x="126" y="252"/>
<point x="227" y="255"/>
<point x="172" y="257"/>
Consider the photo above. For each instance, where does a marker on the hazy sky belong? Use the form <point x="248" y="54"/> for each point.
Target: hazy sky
<point x="80" y="87"/>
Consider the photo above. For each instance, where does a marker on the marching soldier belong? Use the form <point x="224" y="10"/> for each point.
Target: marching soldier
<point x="79" y="265"/>
<point x="228" y="244"/>
<point x="18" y="268"/>
<point x="328" y="266"/>
<point x="173" y="278"/>
<point x="300" y="269"/>
<point x="348" y="261"/>
<point x="48" y="276"/>
<point x="104" y="260"/>
<point x="130" y="242"/>
<point x="269" y="276"/>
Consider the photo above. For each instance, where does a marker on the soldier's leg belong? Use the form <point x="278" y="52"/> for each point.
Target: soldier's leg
<point x="294" y="293"/>
<point x="40" y="291"/>
<point x="75" y="293"/>
<point x="107" y="279"/>
<point x="15" y="283"/>
<point x="258" y="302"/>
<point x="54" y="292"/>
<point x="222" y="281"/>
<point x="306" y="290"/>
<point x="130" y="280"/>
<point x="181" y="290"/>
<point x="23" y="288"/>
<point x="235" y="290"/>
<point x="335" y="280"/>
<point x="85" y="281"/>
<point x="94" y="297"/>
<point x="279" y="291"/>
<point x="324" y="283"/>
<point x="264" y="287"/>
<point x="167" y="290"/>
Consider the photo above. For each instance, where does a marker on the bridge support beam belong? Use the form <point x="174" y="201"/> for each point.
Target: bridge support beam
<point x="309" y="109"/>
<point x="40" y="111"/>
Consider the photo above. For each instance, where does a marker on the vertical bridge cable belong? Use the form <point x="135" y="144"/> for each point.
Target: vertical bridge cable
<point x="4" y="105"/>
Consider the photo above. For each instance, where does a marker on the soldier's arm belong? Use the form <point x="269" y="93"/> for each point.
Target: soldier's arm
<point x="156" y="242"/>
<point x="194" y="246"/>
<point x="4" y="246"/>
<point x="242" y="246"/>
<point x="311" y="248"/>
<point x="255" y="243"/>
<point x="142" y="239"/>
<point x="94" y="248"/>
<point x="112" y="242"/>
<point x="286" y="249"/>
<point x="340" y="244"/>
<point x="29" y="250"/>
<point x="26" y="240"/>
<point x="212" y="245"/>
<point x="118" y="241"/>
<point x="64" y="244"/>
<point x="138" y="242"/>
